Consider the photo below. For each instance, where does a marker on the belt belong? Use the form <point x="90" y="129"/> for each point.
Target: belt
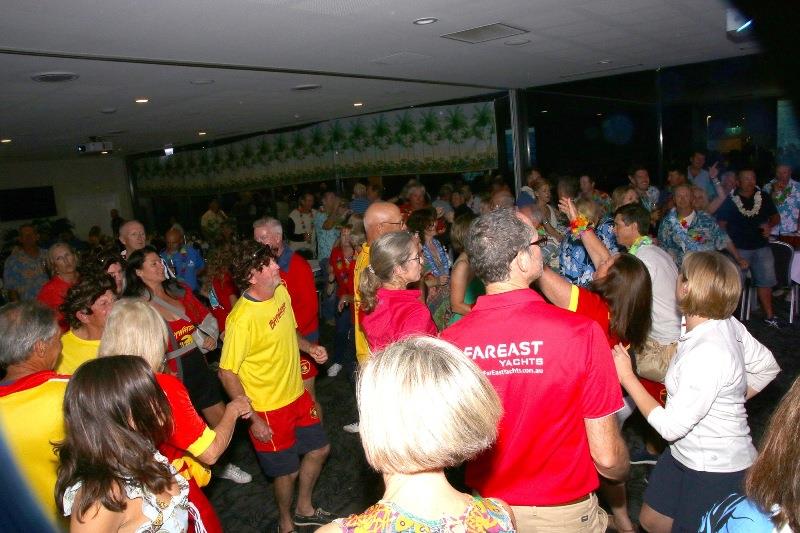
<point x="571" y="502"/>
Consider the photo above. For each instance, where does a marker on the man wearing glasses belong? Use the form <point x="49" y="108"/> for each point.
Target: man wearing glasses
<point x="555" y="376"/>
<point x="381" y="218"/>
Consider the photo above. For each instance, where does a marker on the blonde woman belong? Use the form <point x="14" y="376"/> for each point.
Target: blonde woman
<point x="430" y="385"/>
<point x="63" y="267"/>
<point x="391" y="310"/>
<point x="135" y="328"/>
<point x="718" y="366"/>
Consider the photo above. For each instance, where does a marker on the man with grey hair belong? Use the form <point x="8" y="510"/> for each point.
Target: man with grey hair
<point x="296" y="273"/>
<point x="31" y="397"/>
<point x="555" y="376"/>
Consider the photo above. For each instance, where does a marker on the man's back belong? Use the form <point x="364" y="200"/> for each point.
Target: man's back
<point x="31" y="419"/>
<point x="666" y="327"/>
<point x="552" y="370"/>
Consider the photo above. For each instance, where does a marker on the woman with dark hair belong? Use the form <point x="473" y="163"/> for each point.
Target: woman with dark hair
<point x="391" y="311"/>
<point x="194" y="332"/>
<point x="770" y="501"/>
<point x="62" y="264"/>
<point x="436" y="273"/>
<point x="619" y="299"/>
<point x="106" y="261"/>
<point x="718" y="366"/>
<point x="110" y="477"/>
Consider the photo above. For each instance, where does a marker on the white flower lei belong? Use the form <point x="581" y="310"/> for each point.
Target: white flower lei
<point x="747" y="212"/>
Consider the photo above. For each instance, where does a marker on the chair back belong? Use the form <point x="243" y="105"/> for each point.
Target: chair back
<point x="784" y="254"/>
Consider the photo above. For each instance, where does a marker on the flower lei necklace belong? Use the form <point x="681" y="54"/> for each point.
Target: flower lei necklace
<point x="747" y="212"/>
<point x="784" y="194"/>
<point x="692" y="233"/>
<point x="643" y="240"/>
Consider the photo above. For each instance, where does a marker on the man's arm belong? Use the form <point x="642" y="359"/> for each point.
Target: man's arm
<point x="555" y="288"/>
<point x="319" y="353"/>
<point x="234" y="388"/>
<point x="608" y="449"/>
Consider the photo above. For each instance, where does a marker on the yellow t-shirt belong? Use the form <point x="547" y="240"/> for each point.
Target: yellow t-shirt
<point x="74" y="352"/>
<point x="261" y="349"/>
<point x="31" y="418"/>
<point x="362" y="346"/>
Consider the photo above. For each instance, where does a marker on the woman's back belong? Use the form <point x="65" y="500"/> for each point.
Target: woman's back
<point x="479" y="514"/>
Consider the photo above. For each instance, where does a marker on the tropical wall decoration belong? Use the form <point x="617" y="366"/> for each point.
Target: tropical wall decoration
<point x="455" y="138"/>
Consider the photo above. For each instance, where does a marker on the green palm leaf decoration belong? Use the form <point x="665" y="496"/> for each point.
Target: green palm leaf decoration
<point x="405" y="131"/>
<point x="337" y="136"/>
<point x="381" y="133"/>
<point x="299" y="145"/>
<point x="430" y="130"/>
<point x="248" y="155"/>
<point x="264" y="151"/>
<point x="357" y="140"/>
<point x="457" y="127"/>
<point x="281" y="149"/>
<point x="317" y="142"/>
<point x="483" y="123"/>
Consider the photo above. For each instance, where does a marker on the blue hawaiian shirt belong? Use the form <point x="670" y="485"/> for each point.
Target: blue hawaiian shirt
<point x="574" y="263"/>
<point x="185" y="264"/>
<point x="702" y="234"/>
<point x="736" y="514"/>
<point x="25" y="274"/>
<point x="325" y="237"/>
<point x="788" y="204"/>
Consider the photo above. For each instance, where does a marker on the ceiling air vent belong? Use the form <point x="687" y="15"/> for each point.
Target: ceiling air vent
<point x="482" y="34"/>
<point x="54" y="77"/>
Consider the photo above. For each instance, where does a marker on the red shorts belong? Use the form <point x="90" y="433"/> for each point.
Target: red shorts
<point x="308" y="367"/>
<point x="300" y="413"/>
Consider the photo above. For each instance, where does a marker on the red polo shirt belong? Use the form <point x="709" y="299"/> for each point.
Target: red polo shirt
<point x="399" y="313"/>
<point x="299" y="280"/>
<point x="552" y="369"/>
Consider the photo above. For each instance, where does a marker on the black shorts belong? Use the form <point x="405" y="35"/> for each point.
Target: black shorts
<point x="285" y="462"/>
<point x="203" y="385"/>
<point x="685" y="495"/>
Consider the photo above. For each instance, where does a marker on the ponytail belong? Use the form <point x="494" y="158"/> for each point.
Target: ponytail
<point x="385" y="254"/>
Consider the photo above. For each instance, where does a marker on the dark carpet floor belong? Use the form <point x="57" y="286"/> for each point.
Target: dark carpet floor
<point x="348" y="485"/>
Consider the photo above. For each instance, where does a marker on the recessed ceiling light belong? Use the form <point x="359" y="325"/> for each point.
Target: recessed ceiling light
<point x="142" y="100"/>
<point x="296" y="115"/>
<point x="358" y="104"/>
<point x="307" y="87"/>
<point x="516" y="42"/>
<point x="604" y="62"/>
<point x="599" y="114"/>
<point x="5" y="141"/>
<point x="425" y="21"/>
<point x="544" y="110"/>
<point x="54" y="77"/>
<point x="201" y="82"/>
<point x="104" y="152"/>
<point x="108" y="110"/>
<point x="201" y="133"/>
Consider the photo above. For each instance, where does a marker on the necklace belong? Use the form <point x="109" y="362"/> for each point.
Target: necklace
<point x="643" y="240"/>
<point x="747" y="212"/>
<point x="784" y="193"/>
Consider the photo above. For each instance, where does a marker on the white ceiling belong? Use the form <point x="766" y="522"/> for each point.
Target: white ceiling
<point x="256" y="50"/>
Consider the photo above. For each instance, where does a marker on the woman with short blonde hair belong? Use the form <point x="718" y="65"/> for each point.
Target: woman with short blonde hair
<point x="135" y="328"/>
<point x="718" y="366"/>
<point x="429" y="385"/>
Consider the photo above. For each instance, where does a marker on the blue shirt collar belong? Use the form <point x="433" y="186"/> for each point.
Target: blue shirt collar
<point x="285" y="257"/>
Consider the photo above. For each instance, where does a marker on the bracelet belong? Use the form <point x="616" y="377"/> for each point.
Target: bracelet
<point x="579" y="225"/>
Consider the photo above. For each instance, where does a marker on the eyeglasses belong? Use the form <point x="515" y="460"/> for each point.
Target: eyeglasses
<point x="394" y="223"/>
<point x="418" y="259"/>
<point x="540" y="243"/>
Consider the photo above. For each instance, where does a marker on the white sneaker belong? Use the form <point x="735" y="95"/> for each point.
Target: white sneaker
<point x="351" y="428"/>
<point x="334" y="370"/>
<point x="235" y="474"/>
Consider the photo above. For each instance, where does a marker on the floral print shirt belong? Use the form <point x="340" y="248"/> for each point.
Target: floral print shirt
<point x="574" y="262"/>
<point x="25" y="274"/>
<point x="482" y="515"/>
<point x="788" y="203"/>
<point x="694" y="233"/>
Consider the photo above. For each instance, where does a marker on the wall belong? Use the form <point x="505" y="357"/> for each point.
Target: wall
<point x="85" y="189"/>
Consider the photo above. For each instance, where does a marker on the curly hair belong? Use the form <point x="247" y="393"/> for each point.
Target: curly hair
<point x="82" y="296"/>
<point x="249" y="256"/>
<point x="421" y="219"/>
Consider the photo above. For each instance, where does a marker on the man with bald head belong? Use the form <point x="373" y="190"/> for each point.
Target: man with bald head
<point x="132" y="236"/>
<point x="183" y="259"/>
<point x="381" y="218"/>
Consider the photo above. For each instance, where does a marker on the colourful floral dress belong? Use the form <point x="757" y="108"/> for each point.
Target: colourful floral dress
<point x="487" y="515"/>
<point x="788" y="203"/>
